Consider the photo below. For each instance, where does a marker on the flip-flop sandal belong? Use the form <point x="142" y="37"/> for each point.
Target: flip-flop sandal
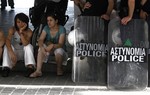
<point x="35" y="75"/>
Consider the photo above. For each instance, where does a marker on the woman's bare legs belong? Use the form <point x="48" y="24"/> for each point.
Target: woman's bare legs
<point x="59" y="60"/>
<point x="40" y="59"/>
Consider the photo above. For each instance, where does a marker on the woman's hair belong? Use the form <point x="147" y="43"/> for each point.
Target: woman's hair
<point x="53" y="15"/>
<point x="23" y="17"/>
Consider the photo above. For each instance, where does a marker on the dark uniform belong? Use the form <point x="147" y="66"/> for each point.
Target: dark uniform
<point x="146" y="8"/>
<point x="98" y="8"/>
<point x="123" y="12"/>
<point x="4" y="4"/>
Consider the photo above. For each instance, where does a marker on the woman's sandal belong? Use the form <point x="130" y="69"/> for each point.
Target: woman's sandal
<point x="35" y="75"/>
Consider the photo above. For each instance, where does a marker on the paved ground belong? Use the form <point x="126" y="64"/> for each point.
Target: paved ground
<point x="49" y="83"/>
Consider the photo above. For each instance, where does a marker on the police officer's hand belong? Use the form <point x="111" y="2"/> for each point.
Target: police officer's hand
<point x="143" y="14"/>
<point x="105" y="17"/>
<point x="125" y="20"/>
<point x="87" y="5"/>
<point x="76" y="2"/>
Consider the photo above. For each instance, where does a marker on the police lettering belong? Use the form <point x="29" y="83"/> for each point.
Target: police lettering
<point x="91" y="49"/>
<point x="125" y="58"/>
<point x="127" y="54"/>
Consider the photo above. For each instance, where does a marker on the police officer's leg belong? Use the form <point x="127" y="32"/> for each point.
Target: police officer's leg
<point x="106" y="31"/>
<point x="11" y="3"/>
<point x="3" y="4"/>
<point x="148" y="21"/>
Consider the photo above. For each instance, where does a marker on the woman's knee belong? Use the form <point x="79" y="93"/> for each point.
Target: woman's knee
<point x="28" y="47"/>
<point x="59" y="51"/>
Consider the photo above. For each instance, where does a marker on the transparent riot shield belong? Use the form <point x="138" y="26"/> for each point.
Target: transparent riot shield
<point x="127" y="55"/>
<point x="89" y="58"/>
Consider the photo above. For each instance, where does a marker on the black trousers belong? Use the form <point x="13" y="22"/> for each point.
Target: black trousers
<point x="4" y="3"/>
<point x="148" y="21"/>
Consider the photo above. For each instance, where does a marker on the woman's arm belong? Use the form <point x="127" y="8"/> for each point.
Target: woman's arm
<point x="2" y="41"/>
<point x="8" y="39"/>
<point x="62" y="38"/>
<point x="41" y="39"/>
<point x="26" y="37"/>
<point x="8" y="45"/>
<point x="61" y="41"/>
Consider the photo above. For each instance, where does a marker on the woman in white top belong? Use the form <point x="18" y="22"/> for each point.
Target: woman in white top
<point x="20" y="34"/>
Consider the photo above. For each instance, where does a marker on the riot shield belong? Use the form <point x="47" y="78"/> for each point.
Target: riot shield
<point x="128" y="58"/>
<point x="89" y="58"/>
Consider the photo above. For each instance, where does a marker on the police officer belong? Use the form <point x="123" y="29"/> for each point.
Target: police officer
<point x="102" y="8"/>
<point x="145" y="10"/>
<point x="4" y="4"/>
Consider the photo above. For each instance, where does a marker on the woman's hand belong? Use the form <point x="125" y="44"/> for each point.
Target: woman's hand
<point x="23" y="28"/>
<point x="49" y="48"/>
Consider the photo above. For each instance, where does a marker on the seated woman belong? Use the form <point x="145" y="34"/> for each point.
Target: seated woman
<point x="2" y="42"/>
<point x="55" y="36"/>
<point x="20" y="34"/>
